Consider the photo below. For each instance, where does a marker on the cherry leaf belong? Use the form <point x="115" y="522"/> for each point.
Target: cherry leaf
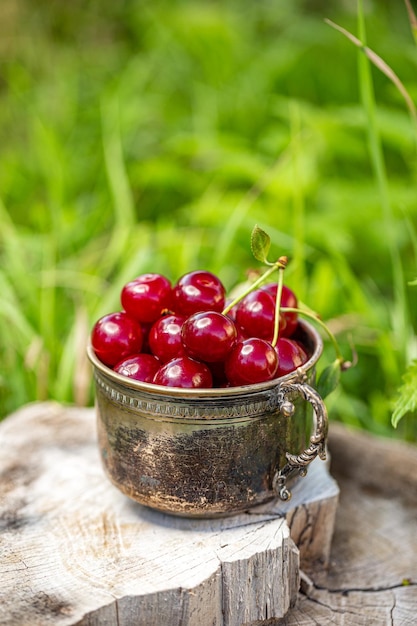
<point x="260" y="243"/>
<point x="329" y="379"/>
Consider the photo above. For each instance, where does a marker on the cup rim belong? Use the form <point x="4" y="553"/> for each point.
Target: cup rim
<point x="212" y="392"/>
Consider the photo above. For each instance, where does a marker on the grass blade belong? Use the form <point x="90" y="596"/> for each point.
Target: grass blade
<point x="123" y="203"/>
<point x="413" y="19"/>
<point x="381" y="65"/>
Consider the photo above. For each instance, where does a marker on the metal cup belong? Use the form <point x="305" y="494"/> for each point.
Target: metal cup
<point x="210" y="452"/>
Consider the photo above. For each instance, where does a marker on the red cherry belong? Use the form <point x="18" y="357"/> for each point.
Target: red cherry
<point x="208" y="336"/>
<point x="165" y="337"/>
<point x="271" y="288"/>
<point x="145" y="297"/>
<point x="139" y="367"/>
<point x="290" y="356"/>
<point x="303" y="350"/>
<point x="198" y="291"/>
<point x="184" y="372"/>
<point x="288" y="299"/>
<point x="255" y="315"/>
<point x="251" y="361"/>
<point x="116" y="336"/>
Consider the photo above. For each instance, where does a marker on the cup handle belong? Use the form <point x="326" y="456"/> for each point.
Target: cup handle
<point x="299" y="463"/>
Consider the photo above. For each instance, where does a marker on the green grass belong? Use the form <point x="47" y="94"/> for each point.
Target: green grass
<point x="153" y="137"/>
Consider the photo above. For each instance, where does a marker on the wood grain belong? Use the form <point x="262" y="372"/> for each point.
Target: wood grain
<point x="75" y="551"/>
<point x="372" y="577"/>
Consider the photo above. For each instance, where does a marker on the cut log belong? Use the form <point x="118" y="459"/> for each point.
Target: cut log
<point x="310" y="515"/>
<point x="74" y="550"/>
<point x="372" y="578"/>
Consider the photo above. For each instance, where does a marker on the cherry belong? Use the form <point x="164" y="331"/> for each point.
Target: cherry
<point x="185" y="336"/>
<point x="208" y="336"/>
<point x="251" y="361"/>
<point x="288" y="299"/>
<point x="139" y="367"/>
<point x="255" y="315"/>
<point x="290" y="356"/>
<point x="145" y="297"/>
<point x="271" y="288"/>
<point x="303" y="350"/>
<point x="116" y="336"/>
<point x="184" y="372"/>
<point x="198" y="291"/>
<point x="165" y="337"/>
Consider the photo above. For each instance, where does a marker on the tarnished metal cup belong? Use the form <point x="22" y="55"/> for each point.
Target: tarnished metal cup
<point x="210" y="452"/>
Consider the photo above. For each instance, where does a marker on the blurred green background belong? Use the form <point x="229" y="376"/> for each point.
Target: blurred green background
<point x="152" y="136"/>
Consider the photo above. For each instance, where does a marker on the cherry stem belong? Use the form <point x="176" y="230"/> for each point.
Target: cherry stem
<point x="280" y="264"/>
<point x="314" y="317"/>
<point x="278" y="304"/>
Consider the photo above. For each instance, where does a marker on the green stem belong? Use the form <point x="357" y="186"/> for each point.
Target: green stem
<point x="278" y="305"/>
<point x="321" y="324"/>
<point x="277" y="265"/>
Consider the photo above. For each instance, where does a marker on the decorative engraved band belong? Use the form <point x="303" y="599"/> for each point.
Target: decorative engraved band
<point x="221" y="408"/>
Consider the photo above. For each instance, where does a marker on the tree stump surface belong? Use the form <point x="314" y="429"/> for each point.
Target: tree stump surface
<point x="372" y="576"/>
<point x="75" y="551"/>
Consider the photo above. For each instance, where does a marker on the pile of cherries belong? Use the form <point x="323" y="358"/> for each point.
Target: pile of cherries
<point x="185" y="335"/>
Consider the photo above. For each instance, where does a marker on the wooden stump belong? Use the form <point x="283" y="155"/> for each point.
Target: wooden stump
<point x="74" y="550"/>
<point x="372" y="575"/>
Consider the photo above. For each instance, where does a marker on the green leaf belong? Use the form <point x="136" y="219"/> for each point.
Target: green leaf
<point x="407" y="395"/>
<point x="413" y="283"/>
<point x="260" y="243"/>
<point x="329" y="378"/>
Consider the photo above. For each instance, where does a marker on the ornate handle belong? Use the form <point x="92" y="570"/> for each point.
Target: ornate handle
<point x="299" y="463"/>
